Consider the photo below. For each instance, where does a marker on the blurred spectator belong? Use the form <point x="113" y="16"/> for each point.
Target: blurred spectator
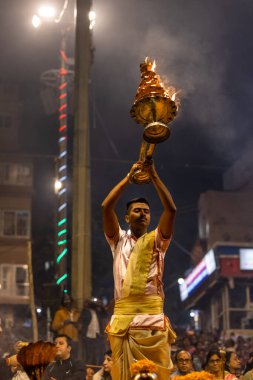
<point x="18" y="370"/>
<point x="214" y="365"/>
<point x="65" y="367"/>
<point x="229" y="345"/>
<point x="89" y="373"/>
<point x="105" y="372"/>
<point x="232" y="364"/>
<point x="19" y="373"/>
<point x="248" y="372"/>
<point x="183" y="361"/>
<point x="92" y="324"/>
<point x="5" y="371"/>
<point x="65" y="321"/>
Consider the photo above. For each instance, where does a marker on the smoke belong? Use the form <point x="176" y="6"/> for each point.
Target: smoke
<point x="196" y="51"/>
<point x="194" y="68"/>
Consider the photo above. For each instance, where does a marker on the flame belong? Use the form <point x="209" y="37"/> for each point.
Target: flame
<point x="173" y="97"/>
<point x="146" y="60"/>
<point x="153" y="66"/>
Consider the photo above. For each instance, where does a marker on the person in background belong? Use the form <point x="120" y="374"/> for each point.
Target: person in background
<point x="183" y="361"/>
<point x="91" y="326"/>
<point x="17" y="370"/>
<point x="105" y="372"/>
<point x="89" y="373"/>
<point x="232" y="364"/>
<point x="65" y="321"/>
<point x="214" y="364"/>
<point x="65" y="367"/>
<point x="5" y="370"/>
<point x="248" y="372"/>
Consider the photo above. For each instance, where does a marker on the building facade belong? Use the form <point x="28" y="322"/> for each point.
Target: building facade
<point x="16" y="189"/>
<point x="219" y="289"/>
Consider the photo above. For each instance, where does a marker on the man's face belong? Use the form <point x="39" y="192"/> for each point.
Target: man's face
<point x="138" y="215"/>
<point x="107" y="364"/>
<point x="67" y="302"/>
<point x="62" y="348"/>
<point x="184" y="362"/>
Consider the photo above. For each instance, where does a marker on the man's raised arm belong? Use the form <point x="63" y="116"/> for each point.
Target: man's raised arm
<point x="110" y="220"/>
<point x="167" y="218"/>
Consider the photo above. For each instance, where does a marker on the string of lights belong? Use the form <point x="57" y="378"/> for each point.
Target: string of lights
<point x="62" y="166"/>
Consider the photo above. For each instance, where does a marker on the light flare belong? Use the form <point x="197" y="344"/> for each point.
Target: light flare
<point x="153" y="66"/>
<point x="36" y="21"/>
<point x="46" y="12"/>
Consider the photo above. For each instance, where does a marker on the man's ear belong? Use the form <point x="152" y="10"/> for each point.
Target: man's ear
<point x="127" y="218"/>
<point x="69" y="348"/>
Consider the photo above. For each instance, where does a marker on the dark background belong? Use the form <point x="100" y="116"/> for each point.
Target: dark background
<point x="203" y="48"/>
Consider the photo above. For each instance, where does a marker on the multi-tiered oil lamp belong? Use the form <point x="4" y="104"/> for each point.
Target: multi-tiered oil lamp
<point x="154" y="107"/>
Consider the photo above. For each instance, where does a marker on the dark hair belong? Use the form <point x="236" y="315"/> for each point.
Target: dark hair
<point x="209" y="355"/>
<point x="228" y="357"/>
<point x="66" y="297"/>
<point x="135" y="200"/>
<point x="68" y="339"/>
<point x="249" y="364"/>
<point x="108" y="353"/>
<point x="179" y="351"/>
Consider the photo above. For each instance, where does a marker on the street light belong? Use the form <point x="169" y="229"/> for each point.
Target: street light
<point x="92" y="18"/>
<point x="36" y="21"/>
<point x="45" y="13"/>
<point x="59" y="79"/>
<point x="57" y="186"/>
<point x="81" y="228"/>
<point x="180" y="281"/>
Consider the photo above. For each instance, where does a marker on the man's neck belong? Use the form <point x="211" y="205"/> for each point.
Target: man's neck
<point x="63" y="359"/>
<point x="138" y="233"/>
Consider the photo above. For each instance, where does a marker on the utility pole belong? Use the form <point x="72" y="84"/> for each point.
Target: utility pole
<point x="31" y="289"/>
<point x="81" y="217"/>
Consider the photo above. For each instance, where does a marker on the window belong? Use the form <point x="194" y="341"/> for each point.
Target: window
<point x="16" y="174"/>
<point x="22" y="219"/>
<point x="6" y="277"/>
<point x="15" y="223"/>
<point x="9" y="223"/>
<point x="14" y="280"/>
<point x="21" y="281"/>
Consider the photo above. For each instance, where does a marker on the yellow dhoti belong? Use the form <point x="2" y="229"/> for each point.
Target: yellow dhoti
<point x="127" y="343"/>
<point x="137" y="345"/>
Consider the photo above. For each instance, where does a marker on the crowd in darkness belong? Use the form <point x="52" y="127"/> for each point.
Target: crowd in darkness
<point x="87" y="331"/>
<point x="200" y="343"/>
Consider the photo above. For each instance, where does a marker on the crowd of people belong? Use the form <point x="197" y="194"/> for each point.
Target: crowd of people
<point x="229" y="359"/>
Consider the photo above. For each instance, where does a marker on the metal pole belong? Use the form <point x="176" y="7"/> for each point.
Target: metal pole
<point x="31" y="290"/>
<point x="81" y="219"/>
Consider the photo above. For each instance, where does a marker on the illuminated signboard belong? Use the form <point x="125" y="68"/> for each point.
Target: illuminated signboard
<point x="206" y="267"/>
<point x="246" y="258"/>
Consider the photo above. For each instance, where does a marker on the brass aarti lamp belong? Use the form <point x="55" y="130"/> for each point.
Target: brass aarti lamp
<point x="154" y="108"/>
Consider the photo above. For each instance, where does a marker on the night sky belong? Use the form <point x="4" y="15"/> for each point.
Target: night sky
<point x="201" y="47"/>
